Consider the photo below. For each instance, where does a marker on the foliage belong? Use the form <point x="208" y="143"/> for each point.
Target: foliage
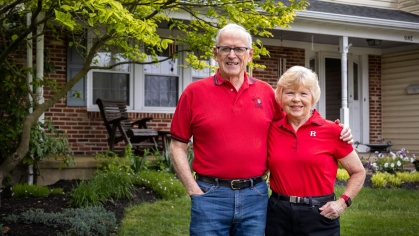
<point x="111" y="162"/>
<point x="26" y="190"/>
<point x="408" y="176"/>
<point x="379" y="180"/>
<point x="164" y="162"/>
<point x="129" y="163"/>
<point x="128" y="28"/>
<point x="416" y="164"/>
<point x="80" y="221"/>
<point x="342" y="175"/>
<point x="163" y="183"/>
<point x="391" y="162"/>
<point x="385" y="179"/>
<point x="97" y="191"/>
<point x="46" y="140"/>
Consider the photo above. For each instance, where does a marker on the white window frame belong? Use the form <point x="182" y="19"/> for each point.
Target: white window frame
<point x="137" y="86"/>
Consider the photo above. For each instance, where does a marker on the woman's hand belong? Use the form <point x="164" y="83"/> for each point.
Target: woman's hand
<point x="333" y="209"/>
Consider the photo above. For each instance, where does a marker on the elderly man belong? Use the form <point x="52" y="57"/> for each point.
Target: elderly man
<point x="228" y="115"/>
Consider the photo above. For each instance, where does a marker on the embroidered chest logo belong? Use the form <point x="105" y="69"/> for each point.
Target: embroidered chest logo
<point x="313" y="133"/>
<point x="257" y="101"/>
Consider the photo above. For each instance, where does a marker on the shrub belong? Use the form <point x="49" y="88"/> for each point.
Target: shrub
<point x="163" y="183"/>
<point x="342" y="175"/>
<point x="394" y="181"/>
<point x="378" y="180"/>
<point x="80" y="221"/>
<point x="408" y="176"/>
<point x="102" y="187"/>
<point x="26" y="190"/>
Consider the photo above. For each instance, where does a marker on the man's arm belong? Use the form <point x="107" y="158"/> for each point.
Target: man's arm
<point x="181" y="165"/>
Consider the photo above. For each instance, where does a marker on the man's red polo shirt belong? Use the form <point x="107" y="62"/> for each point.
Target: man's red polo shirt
<point x="229" y="127"/>
<point x="305" y="163"/>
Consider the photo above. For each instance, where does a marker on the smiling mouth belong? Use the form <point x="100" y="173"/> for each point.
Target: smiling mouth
<point x="232" y="63"/>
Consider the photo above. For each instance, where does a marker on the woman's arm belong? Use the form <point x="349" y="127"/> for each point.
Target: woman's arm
<point x="352" y="164"/>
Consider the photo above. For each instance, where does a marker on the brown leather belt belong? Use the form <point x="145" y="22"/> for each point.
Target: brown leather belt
<point x="235" y="184"/>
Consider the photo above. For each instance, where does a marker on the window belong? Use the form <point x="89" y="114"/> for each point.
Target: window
<point x="113" y="83"/>
<point x="145" y="88"/>
<point x="161" y="82"/>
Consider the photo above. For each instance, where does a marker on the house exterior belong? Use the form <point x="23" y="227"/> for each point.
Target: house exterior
<point x="375" y="42"/>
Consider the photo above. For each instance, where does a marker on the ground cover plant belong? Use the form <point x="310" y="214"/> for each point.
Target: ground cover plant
<point x="59" y="203"/>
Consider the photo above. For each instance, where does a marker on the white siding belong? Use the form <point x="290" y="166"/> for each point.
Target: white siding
<point x="400" y="111"/>
<point x="411" y="6"/>
<point x="387" y="4"/>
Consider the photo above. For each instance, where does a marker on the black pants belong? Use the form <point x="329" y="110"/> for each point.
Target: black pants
<point x="286" y="219"/>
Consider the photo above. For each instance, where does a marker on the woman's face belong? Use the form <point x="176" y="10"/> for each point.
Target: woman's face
<point x="297" y="102"/>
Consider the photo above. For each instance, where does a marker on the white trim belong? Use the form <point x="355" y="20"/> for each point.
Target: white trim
<point x="365" y="103"/>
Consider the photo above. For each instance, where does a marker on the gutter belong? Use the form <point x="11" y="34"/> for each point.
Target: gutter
<point x="356" y="20"/>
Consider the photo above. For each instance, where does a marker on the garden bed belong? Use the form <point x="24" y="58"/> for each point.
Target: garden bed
<point x="57" y="203"/>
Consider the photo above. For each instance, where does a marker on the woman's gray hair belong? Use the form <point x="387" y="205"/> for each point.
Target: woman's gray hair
<point x="237" y="28"/>
<point x="297" y="77"/>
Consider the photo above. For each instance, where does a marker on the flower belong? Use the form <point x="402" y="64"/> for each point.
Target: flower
<point x="389" y="162"/>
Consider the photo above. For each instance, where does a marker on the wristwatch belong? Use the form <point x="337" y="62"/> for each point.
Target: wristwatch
<point x="347" y="199"/>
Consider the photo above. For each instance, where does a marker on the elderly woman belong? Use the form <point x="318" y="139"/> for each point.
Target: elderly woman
<point x="304" y="151"/>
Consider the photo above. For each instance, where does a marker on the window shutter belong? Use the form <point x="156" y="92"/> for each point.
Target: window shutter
<point x="74" y="65"/>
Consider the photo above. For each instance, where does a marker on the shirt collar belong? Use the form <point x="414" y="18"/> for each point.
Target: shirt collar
<point x="315" y="119"/>
<point x="219" y="80"/>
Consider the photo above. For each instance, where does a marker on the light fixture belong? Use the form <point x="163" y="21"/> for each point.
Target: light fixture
<point x="374" y="42"/>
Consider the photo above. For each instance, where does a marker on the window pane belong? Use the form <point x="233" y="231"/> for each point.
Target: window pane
<point x="111" y="86"/>
<point x="161" y="91"/>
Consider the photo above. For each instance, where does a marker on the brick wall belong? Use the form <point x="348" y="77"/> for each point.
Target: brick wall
<point x="375" y="98"/>
<point x="85" y="130"/>
<point x="294" y="56"/>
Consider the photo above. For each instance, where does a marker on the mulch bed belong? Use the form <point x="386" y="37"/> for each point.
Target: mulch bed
<point x="57" y="203"/>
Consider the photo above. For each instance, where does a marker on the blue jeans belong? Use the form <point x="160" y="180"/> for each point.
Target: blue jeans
<point x="223" y="211"/>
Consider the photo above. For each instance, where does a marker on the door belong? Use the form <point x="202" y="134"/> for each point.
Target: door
<point x="331" y="86"/>
<point x="354" y="97"/>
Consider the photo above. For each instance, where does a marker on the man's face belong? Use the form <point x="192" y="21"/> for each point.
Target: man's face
<point x="232" y="66"/>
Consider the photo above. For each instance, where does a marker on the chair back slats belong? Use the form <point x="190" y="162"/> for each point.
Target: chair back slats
<point x="115" y="116"/>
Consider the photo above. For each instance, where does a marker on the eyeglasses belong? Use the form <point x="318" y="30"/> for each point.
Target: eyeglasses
<point x="239" y="51"/>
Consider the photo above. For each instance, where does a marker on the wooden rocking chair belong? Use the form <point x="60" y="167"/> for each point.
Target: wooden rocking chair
<point x="115" y="118"/>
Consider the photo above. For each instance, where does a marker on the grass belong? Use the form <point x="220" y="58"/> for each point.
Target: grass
<point x="166" y="217"/>
<point x="381" y="212"/>
<point x="375" y="212"/>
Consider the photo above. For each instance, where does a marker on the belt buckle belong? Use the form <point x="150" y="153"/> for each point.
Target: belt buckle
<point x="294" y="199"/>
<point x="232" y="184"/>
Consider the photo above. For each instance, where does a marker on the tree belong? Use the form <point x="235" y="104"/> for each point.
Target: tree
<point x="126" y="26"/>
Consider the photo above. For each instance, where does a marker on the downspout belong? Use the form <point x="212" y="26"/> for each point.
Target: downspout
<point x="40" y="64"/>
<point x="29" y="62"/>
<point x="344" y="48"/>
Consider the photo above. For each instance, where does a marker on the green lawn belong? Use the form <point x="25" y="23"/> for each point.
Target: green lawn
<point x="381" y="212"/>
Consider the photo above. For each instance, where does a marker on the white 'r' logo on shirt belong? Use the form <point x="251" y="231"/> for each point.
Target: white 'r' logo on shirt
<point x="312" y="133"/>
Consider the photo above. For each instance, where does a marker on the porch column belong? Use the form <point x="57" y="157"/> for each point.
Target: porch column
<point x="343" y="49"/>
